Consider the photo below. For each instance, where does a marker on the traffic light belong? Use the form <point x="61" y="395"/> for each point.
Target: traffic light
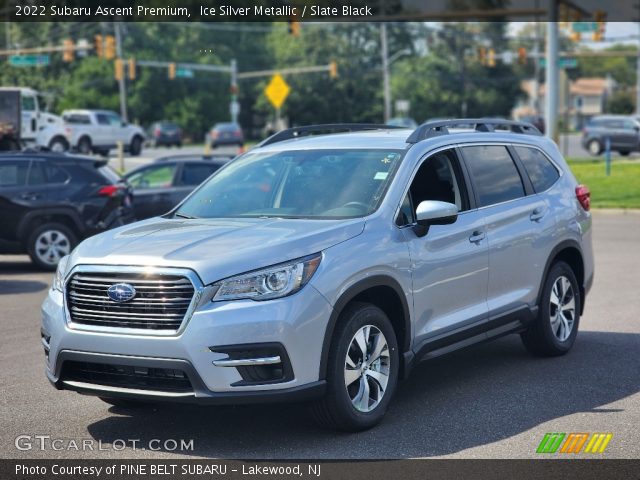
<point x="333" y="69"/>
<point x="172" y="71"/>
<point x="601" y="19"/>
<point x="118" y="69"/>
<point x="575" y="36"/>
<point x="482" y="55"/>
<point x="294" y="26"/>
<point x="132" y="69"/>
<point x="522" y="56"/>
<point x="491" y="60"/>
<point x="110" y="47"/>
<point x="596" y="36"/>
<point x="99" y="46"/>
<point x="68" y="52"/>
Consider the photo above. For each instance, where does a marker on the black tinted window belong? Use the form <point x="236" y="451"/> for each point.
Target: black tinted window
<point x="102" y="119"/>
<point x="541" y="171"/>
<point x="195" y="174"/>
<point x="495" y="176"/>
<point x="13" y="174"/>
<point x="77" y="119"/>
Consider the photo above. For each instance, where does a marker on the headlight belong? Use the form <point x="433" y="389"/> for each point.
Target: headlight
<point x="272" y="282"/>
<point x="58" y="279"/>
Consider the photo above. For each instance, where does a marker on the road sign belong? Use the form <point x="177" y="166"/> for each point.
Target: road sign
<point x="562" y="62"/>
<point x="184" y="73"/>
<point x="277" y="90"/>
<point x="29" y="60"/>
<point x="584" y="27"/>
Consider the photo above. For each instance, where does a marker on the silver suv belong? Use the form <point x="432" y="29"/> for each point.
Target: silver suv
<point x="322" y="266"/>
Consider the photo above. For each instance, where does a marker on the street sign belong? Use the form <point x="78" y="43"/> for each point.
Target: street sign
<point x="184" y="73"/>
<point x="277" y="90"/>
<point x="29" y="60"/>
<point x="584" y="27"/>
<point x="562" y="62"/>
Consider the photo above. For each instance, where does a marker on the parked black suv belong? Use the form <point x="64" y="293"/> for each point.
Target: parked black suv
<point x="623" y="133"/>
<point x="50" y="201"/>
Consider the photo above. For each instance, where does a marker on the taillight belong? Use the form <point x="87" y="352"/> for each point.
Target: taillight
<point x="584" y="196"/>
<point x="237" y="133"/>
<point x="214" y="134"/>
<point x="109" y="191"/>
<point x="156" y="132"/>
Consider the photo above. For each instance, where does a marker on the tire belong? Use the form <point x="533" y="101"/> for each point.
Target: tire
<point x="84" y="146"/>
<point x="547" y="336"/>
<point x="594" y="147"/>
<point x="48" y="243"/>
<point x="125" y="402"/>
<point x="136" y="146"/>
<point x="624" y="153"/>
<point x="337" y="409"/>
<point x="58" y="144"/>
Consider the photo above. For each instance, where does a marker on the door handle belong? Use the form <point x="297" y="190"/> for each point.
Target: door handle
<point x="30" y="196"/>
<point x="477" y="236"/>
<point x="537" y="214"/>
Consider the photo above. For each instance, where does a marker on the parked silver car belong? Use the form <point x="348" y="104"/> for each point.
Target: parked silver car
<point x="323" y="267"/>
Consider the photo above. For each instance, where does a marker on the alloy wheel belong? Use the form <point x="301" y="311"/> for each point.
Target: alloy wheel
<point x="367" y="368"/>
<point x="51" y="246"/>
<point x="562" y="308"/>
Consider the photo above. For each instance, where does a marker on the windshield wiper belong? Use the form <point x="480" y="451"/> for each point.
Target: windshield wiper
<point x="182" y="215"/>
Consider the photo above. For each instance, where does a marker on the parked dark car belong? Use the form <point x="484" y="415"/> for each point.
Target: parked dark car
<point x="160" y="186"/>
<point x="50" y="201"/>
<point x="166" y="134"/>
<point x="623" y="133"/>
<point x="226" y="134"/>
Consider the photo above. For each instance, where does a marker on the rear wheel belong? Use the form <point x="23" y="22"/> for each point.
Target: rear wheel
<point x="48" y="243"/>
<point x="594" y="147"/>
<point x="624" y="153"/>
<point x="554" y="330"/>
<point x="362" y="372"/>
<point x="84" y="146"/>
<point x="136" y="146"/>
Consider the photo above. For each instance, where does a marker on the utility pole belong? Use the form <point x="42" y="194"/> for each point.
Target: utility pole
<point x="385" y="71"/>
<point x="234" y="105"/>
<point x="551" y="80"/>
<point x="122" y="86"/>
<point x="638" y="74"/>
<point x="536" y="63"/>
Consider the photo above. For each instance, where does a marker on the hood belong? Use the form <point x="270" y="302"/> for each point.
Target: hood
<point x="214" y="248"/>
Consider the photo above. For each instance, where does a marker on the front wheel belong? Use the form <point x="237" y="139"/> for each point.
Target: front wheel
<point x="136" y="146"/>
<point x="362" y="372"/>
<point x="554" y="330"/>
<point x="624" y="153"/>
<point x="59" y="145"/>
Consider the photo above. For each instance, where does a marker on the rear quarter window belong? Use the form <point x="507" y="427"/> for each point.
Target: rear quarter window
<point x="541" y="171"/>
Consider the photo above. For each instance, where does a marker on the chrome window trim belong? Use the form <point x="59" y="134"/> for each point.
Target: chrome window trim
<point x="197" y="284"/>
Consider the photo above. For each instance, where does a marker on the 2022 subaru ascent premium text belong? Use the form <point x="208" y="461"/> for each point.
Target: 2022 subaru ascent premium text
<point x="321" y="266"/>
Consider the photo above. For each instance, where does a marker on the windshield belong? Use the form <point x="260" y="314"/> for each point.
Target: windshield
<point x="296" y="184"/>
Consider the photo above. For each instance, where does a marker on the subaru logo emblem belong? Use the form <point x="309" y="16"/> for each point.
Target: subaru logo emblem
<point x="121" y="292"/>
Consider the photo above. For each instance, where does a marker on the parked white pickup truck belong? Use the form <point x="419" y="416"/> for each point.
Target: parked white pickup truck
<point x="99" y="131"/>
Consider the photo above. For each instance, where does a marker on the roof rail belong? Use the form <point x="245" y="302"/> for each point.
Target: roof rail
<point x="296" y="132"/>
<point x="441" y="127"/>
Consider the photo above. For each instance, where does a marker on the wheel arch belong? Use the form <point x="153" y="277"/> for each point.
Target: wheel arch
<point x="384" y="292"/>
<point x="36" y="218"/>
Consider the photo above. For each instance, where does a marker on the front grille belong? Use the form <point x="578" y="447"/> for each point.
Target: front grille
<point x="127" y="376"/>
<point x="161" y="301"/>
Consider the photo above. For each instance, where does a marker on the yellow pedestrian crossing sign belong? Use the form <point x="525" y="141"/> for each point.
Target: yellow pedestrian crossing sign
<point x="277" y="90"/>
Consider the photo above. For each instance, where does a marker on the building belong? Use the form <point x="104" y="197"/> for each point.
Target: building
<point x="579" y="99"/>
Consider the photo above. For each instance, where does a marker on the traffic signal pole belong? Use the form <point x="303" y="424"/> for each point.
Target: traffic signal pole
<point x="385" y="71"/>
<point x="551" y="74"/>
<point x="122" y="86"/>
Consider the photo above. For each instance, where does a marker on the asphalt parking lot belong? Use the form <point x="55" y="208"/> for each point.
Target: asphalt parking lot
<point x="490" y="401"/>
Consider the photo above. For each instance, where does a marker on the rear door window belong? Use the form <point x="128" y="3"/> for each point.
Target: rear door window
<point x="196" y="173"/>
<point x="495" y="176"/>
<point x="13" y="174"/>
<point x="541" y="171"/>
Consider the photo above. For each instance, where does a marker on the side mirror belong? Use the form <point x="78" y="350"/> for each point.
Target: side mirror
<point x="434" y="212"/>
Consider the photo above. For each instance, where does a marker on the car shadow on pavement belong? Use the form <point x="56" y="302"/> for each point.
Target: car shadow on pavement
<point x="12" y="287"/>
<point x="470" y="398"/>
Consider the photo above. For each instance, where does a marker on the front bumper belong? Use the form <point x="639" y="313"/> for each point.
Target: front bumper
<point x="296" y="323"/>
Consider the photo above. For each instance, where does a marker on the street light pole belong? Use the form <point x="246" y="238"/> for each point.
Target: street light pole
<point x="638" y="76"/>
<point x="385" y="71"/>
<point x="551" y="78"/>
<point x="234" y="92"/>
